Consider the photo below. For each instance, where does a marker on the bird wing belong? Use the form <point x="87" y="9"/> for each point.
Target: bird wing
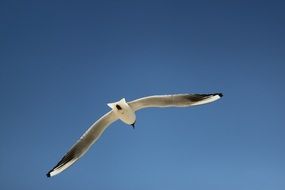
<point x="176" y="100"/>
<point x="84" y="143"/>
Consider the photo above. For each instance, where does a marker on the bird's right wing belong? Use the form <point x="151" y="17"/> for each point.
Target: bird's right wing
<point x="175" y="100"/>
<point x="84" y="143"/>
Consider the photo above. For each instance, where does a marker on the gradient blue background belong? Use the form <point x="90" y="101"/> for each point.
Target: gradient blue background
<point x="62" y="62"/>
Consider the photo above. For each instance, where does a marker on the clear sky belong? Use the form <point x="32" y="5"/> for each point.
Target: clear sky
<point x="61" y="62"/>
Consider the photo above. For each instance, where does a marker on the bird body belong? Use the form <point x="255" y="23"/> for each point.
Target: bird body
<point x="125" y="111"/>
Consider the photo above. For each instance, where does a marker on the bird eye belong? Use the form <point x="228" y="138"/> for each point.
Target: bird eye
<point x="118" y="107"/>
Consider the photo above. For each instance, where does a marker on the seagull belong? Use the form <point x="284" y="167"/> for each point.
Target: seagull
<point x="125" y="111"/>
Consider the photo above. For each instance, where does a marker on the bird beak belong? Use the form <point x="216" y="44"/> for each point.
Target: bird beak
<point x="133" y="125"/>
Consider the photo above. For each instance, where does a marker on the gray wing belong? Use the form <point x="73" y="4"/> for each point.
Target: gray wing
<point x="84" y="143"/>
<point x="176" y="100"/>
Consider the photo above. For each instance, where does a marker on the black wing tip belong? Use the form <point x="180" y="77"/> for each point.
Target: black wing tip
<point x="219" y="94"/>
<point x="63" y="161"/>
<point x="213" y="94"/>
<point x="48" y="174"/>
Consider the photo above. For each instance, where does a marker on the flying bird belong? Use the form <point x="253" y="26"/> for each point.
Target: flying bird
<point x="125" y="111"/>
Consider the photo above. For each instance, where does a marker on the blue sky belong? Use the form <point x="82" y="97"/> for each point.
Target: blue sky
<point x="62" y="62"/>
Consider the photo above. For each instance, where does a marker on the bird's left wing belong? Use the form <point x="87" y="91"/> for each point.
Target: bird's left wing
<point x="84" y="143"/>
<point x="175" y="100"/>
